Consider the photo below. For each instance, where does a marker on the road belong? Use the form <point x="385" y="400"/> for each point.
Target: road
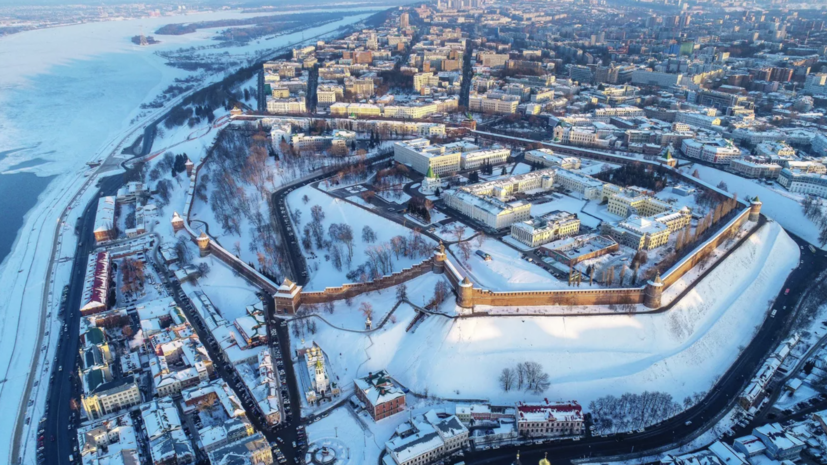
<point x="64" y="387"/>
<point x="721" y="398"/>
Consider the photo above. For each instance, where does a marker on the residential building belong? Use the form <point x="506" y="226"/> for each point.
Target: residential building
<point x="105" y="398"/>
<point x="754" y="169"/>
<point x="780" y="444"/>
<point x="168" y="444"/>
<point x="803" y="183"/>
<point x="252" y="449"/>
<point x="426" y="439"/>
<point x="109" y="441"/>
<point x="494" y="103"/>
<point x="286" y="105"/>
<point x="717" y="151"/>
<point x="105" y="227"/>
<point x="96" y="284"/>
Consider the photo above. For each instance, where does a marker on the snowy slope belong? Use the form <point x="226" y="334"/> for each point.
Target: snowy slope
<point x="778" y="204"/>
<point x="681" y="351"/>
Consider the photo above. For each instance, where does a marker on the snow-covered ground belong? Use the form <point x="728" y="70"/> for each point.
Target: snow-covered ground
<point x="90" y="80"/>
<point x="506" y="270"/>
<point x="681" y="351"/>
<point x="778" y="204"/>
<point x="322" y="272"/>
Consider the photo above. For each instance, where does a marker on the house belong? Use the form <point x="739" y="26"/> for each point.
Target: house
<point x="382" y="398"/>
<point x="167" y="441"/>
<point x="780" y="445"/>
<point x="251" y="450"/>
<point x="426" y="439"/>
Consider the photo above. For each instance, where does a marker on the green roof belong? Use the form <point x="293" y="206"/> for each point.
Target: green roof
<point x="94" y="379"/>
<point x="95" y="336"/>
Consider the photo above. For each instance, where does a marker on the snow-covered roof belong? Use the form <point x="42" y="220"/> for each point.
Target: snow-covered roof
<point x="105" y="216"/>
<point x="96" y="282"/>
<point x="378" y="387"/>
<point x="549" y="411"/>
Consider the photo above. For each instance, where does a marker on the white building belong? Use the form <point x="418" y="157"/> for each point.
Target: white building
<point x="718" y="151"/>
<point x="547" y="158"/>
<point x="421" y="156"/>
<point x="475" y="159"/>
<point x="490" y="211"/>
<point x="547" y="228"/>
<point x="803" y="183"/>
<point x="427" y="438"/>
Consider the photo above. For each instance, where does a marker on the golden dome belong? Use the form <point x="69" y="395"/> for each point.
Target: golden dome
<point x="545" y="461"/>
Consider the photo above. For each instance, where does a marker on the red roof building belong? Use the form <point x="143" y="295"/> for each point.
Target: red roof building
<point x="549" y="419"/>
<point x="96" y="284"/>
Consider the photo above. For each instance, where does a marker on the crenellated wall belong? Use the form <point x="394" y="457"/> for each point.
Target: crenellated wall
<point x="353" y="289"/>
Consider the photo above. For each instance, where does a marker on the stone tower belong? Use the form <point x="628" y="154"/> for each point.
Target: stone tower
<point x="203" y="244"/>
<point x="177" y="222"/>
<point x="465" y="293"/>
<point x="754" y="209"/>
<point x="288" y="297"/>
<point x="652" y="292"/>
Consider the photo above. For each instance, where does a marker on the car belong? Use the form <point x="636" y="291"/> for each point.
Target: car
<point x="688" y="422"/>
<point x="787" y="291"/>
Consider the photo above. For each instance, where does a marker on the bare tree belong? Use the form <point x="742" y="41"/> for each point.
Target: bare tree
<point x="507" y="379"/>
<point x="402" y="292"/>
<point x="367" y="309"/>
<point x="368" y="235"/>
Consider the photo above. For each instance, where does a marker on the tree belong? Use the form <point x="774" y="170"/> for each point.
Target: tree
<point x="695" y="174"/>
<point x="367" y="309"/>
<point x="203" y="269"/>
<point x="521" y="375"/>
<point x="368" y="235"/>
<point x="182" y="250"/>
<point x="402" y="292"/>
<point x="440" y="293"/>
<point x="317" y="213"/>
<point x="507" y="379"/>
<point x="722" y="185"/>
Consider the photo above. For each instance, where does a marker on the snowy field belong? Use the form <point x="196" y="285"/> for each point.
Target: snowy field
<point x="681" y="351"/>
<point x="64" y="72"/>
<point x="778" y="204"/>
<point x="506" y="270"/>
<point x="323" y="273"/>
